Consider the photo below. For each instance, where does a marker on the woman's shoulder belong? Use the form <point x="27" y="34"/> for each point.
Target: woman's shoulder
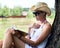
<point x="47" y="25"/>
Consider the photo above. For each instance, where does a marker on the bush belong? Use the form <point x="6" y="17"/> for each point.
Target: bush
<point x="29" y="14"/>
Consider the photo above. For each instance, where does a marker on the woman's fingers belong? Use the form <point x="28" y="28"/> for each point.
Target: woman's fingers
<point x="9" y="30"/>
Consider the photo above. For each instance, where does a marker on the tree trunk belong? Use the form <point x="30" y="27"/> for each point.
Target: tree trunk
<point x="54" y="39"/>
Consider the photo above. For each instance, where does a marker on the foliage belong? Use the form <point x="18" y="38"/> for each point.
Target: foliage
<point x="52" y="14"/>
<point x="17" y="11"/>
<point x="25" y="9"/>
<point x="5" y="11"/>
<point x="29" y="14"/>
<point x="1" y="11"/>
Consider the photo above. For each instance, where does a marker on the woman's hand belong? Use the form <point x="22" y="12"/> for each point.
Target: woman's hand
<point x="35" y="25"/>
<point x="28" y="37"/>
<point x="9" y="30"/>
<point x="13" y="32"/>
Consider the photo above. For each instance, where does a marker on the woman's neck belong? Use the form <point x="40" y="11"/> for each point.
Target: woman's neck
<point x="41" y="21"/>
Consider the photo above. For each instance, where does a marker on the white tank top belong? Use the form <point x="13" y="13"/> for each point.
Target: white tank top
<point x="36" y="33"/>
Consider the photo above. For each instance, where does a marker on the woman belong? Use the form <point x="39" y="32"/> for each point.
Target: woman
<point x="38" y="32"/>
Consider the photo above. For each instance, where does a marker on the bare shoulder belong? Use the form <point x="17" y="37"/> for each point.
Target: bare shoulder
<point x="47" y="26"/>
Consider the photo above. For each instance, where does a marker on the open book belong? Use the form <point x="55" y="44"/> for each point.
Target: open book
<point x="21" y="32"/>
<point x="17" y="31"/>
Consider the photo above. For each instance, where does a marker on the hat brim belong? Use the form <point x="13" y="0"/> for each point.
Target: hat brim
<point x="43" y="8"/>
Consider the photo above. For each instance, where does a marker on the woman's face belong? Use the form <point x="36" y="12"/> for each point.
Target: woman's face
<point x="39" y="15"/>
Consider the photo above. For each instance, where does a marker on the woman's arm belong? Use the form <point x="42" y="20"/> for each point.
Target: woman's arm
<point x="28" y="36"/>
<point x="45" y="32"/>
<point x="29" y="31"/>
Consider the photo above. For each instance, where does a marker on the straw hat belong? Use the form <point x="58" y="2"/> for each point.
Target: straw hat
<point x="42" y="7"/>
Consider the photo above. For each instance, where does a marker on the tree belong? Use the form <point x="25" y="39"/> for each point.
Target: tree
<point x="17" y="11"/>
<point x="5" y="11"/>
<point x="25" y="9"/>
<point x="54" y="39"/>
<point x="29" y="14"/>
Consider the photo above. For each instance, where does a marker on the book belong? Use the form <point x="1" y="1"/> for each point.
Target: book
<point x="21" y="32"/>
<point x="17" y="31"/>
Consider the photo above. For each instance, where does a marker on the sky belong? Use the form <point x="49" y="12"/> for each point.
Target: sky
<point x="25" y="3"/>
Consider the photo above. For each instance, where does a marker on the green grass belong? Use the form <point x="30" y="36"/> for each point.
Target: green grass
<point x="20" y="23"/>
